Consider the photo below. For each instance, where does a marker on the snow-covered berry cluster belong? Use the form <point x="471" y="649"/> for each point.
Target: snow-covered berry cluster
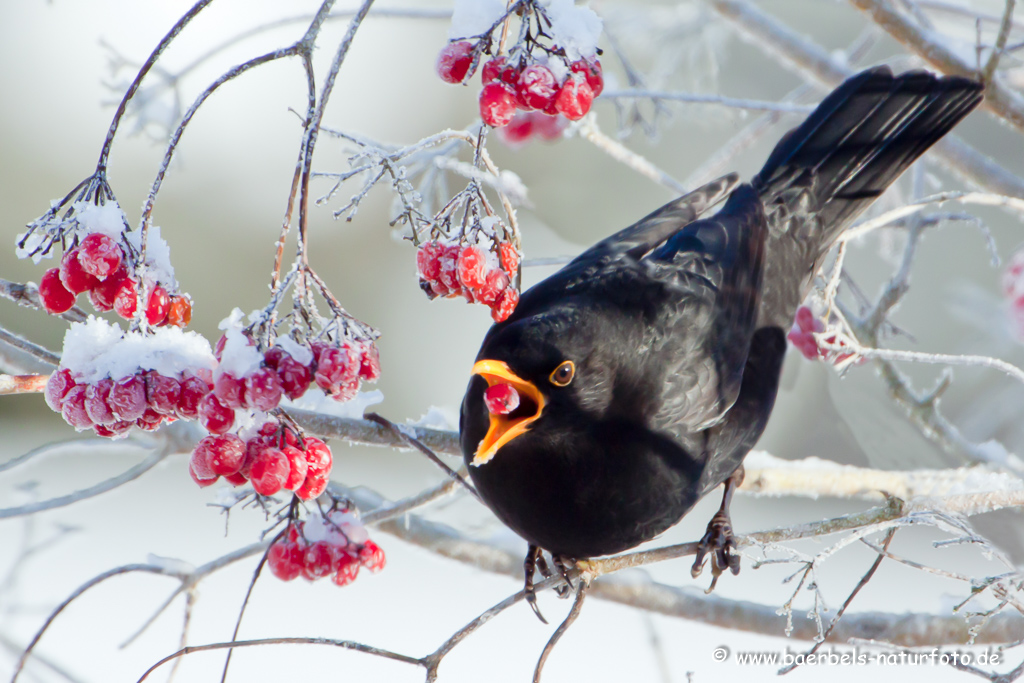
<point x="110" y="380"/>
<point x="335" y="545"/>
<point x="531" y="124"/>
<point x="804" y="337"/>
<point x="449" y="269"/>
<point x="1013" y="288"/>
<point x="552" y="68"/>
<point x="275" y="458"/>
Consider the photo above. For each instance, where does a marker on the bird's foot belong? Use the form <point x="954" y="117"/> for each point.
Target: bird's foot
<point x="720" y="542"/>
<point x="535" y="562"/>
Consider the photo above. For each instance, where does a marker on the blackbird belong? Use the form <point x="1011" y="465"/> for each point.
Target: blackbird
<point x="647" y="367"/>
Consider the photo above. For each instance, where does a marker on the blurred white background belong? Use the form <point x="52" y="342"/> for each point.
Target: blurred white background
<point x="221" y="209"/>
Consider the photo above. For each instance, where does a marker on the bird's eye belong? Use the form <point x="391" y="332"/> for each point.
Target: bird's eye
<point x="562" y="375"/>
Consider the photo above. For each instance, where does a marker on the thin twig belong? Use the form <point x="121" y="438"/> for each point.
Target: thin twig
<point x="577" y="605"/>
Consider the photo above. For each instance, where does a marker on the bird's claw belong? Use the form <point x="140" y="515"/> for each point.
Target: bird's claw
<point x="720" y="542"/>
<point x="535" y="561"/>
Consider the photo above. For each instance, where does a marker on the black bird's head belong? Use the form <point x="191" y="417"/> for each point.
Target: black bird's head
<point x="534" y="378"/>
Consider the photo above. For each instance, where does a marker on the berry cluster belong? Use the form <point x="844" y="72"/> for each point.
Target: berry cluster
<point x="276" y="458"/>
<point x="338" y="369"/>
<point x="334" y="546"/>
<point x="452" y="269"/>
<point x="802" y="336"/>
<point x="1013" y="288"/>
<point x="550" y="84"/>
<point x="112" y="407"/>
<point x="98" y="266"/>
<point x="531" y="124"/>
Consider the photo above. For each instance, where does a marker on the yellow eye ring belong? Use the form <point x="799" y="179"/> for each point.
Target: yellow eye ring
<point x="563" y="374"/>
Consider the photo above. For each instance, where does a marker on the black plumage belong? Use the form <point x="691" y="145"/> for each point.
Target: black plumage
<point x="672" y="332"/>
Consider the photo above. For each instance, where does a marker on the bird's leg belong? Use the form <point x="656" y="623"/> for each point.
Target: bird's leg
<point x="719" y="539"/>
<point x="533" y="557"/>
<point x="545" y="571"/>
<point x="562" y="564"/>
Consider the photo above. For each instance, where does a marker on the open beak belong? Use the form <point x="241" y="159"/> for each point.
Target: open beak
<point x="504" y="428"/>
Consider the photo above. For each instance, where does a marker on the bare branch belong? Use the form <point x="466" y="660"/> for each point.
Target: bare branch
<point x="589" y="131"/>
<point x="22" y="384"/>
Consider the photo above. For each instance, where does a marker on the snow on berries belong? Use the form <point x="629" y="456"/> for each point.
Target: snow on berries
<point x="334" y="545"/>
<point x="473" y="271"/>
<point x="110" y="380"/>
<point x="805" y="335"/>
<point x="553" y="68"/>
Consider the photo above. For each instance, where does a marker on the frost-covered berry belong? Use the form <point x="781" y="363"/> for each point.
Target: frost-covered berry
<point x="574" y="99"/>
<point x="162" y="392"/>
<point x="592" y="72"/>
<point x="454" y="60"/>
<point x="548" y="127"/>
<point x="337" y="372"/>
<point x="97" y="402"/>
<point x="269" y="471"/>
<point x="55" y="296"/>
<point x="149" y="420"/>
<point x="537" y="87"/>
<point x="99" y="255"/>
<point x="126" y="299"/>
<point x="214" y="415"/>
<point x="428" y="263"/>
<point x="263" y="389"/>
<point x="180" y="312"/>
<point x="501" y="398"/>
<point x="319" y="460"/>
<point x="505" y="304"/>
<point x="128" y="398"/>
<point x="317" y="561"/>
<point x="197" y="478"/>
<point x="57" y="387"/>
<point x="518" y="131"/>
<point x="297" y="467"/>
<point x="295" y="377"/>
<point x="496" y="69"/>
<point x="230" y="390"/>
<point x="103" y="295"/>
<point x="73" y="410"/>
<point x="449" y="275"/>
<point x="494" y="285"/>
<point x="497" y="104"/>
<point x="471" y="268"/>
<point x="285" y="559"/>
<point x="508" y="257"/>
<point x="192" y="389"/>
<point x="114" y="429"/>
<point x="369" y="365"/>
<point x="74" y="277"/>
<point x="346" y="568"/>
<point x="223" y="453"/>
<point x="372" y="556"/>
<point x="158" y="306"/>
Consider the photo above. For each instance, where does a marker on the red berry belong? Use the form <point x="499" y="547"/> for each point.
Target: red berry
<point x="317" y="561"/>
<point x="218" y="349"/>
<point x="214" y="415"/>
<point x="592" y="72"/>
<point x="369" y="366"/>
<point x="536" y="87"/>
<point x="574" y="99"/>
<point x="57" y="387"/>
<point x="104" y="294"/>
<point x="496" y="70"/>
<point x="263" y="389"/>
<point x="114" y="429"/>
<point x="508" y="257"/>
<point x="128" y="398"/>
<point x="496" y="283"/>
<point x="471" y="267"/>
<point x="297" y="467"/>
<point x="285" y="559"/>
<point x="201" y="481"/>
<point x="319" y="459"/>
<point x="548" y="127"/>
<point x="236" y="479"/>
<point x="97" y="402"/>
<point x="295" y="377"/>
<point x="149" y="420"/>
<point x="449" y="275"/>
<point x="337" y="372"/>
<point x="126" y="299"/>
<point x="55" y="296"/>
<point x="73" y="408"/>
<point x="223" y="453"/>
<point x="230" y="390"/>
<point x="74" y="277"/>
<point x="501" y="399"/>
<point x="806" y="321"/>
<point x="162" y="393"/>
<point x="192" y="389"/>
<point x="99" y="255"/>
<point x="269" y="471"/>
<point x="497" y="104"/>
<point x="518" y="130"/>
<point x="454" y="60"/>
<point x="427" y="260"/>
<point x="505" y="304"/>
<point x="158" y="307"/>
<point x="346" y="569"/>
<point x="180" y="312"/>
<point x="372" y="556"/>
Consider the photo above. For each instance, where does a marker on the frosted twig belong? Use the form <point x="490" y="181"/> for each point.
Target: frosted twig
<point x="22" y="384"/>
<point x="18" y="342"/>
<point x="577" y="605"/>
<point x="1005" y="24"/>
<point x="701" y="98"/>
<point x="889" y="217"/>
<point x="589" y="131"/>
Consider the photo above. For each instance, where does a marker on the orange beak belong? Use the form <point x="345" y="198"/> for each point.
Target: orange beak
<point x="504" y="428"/>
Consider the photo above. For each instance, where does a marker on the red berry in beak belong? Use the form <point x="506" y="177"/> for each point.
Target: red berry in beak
<point x="501" y="399"/>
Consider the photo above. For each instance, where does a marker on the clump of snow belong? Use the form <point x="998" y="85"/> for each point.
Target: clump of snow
<point x="238" y="358"/>
<point x="96" y="349"/>
<point x="573" y="28"/>
<point x="340" y="529"/>
<point x="107" y="218"/>
<point x="317" y="401"/>
<point x="158" y="256"/>
<point x="34" y="241"/>
<point x="473" y="17"/>
<point x="171" y="565"/>
<point x="438" y="418"/>
<point x="302" y="354"/>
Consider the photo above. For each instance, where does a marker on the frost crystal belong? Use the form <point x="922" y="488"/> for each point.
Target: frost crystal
<point x="576" y="29"/>
<point x="107" y="219"/>
<point x="301" y="353"/>
<point x="158" y="256"/>
<point x="473" y="17"/>
<point x="238" y="358"/>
